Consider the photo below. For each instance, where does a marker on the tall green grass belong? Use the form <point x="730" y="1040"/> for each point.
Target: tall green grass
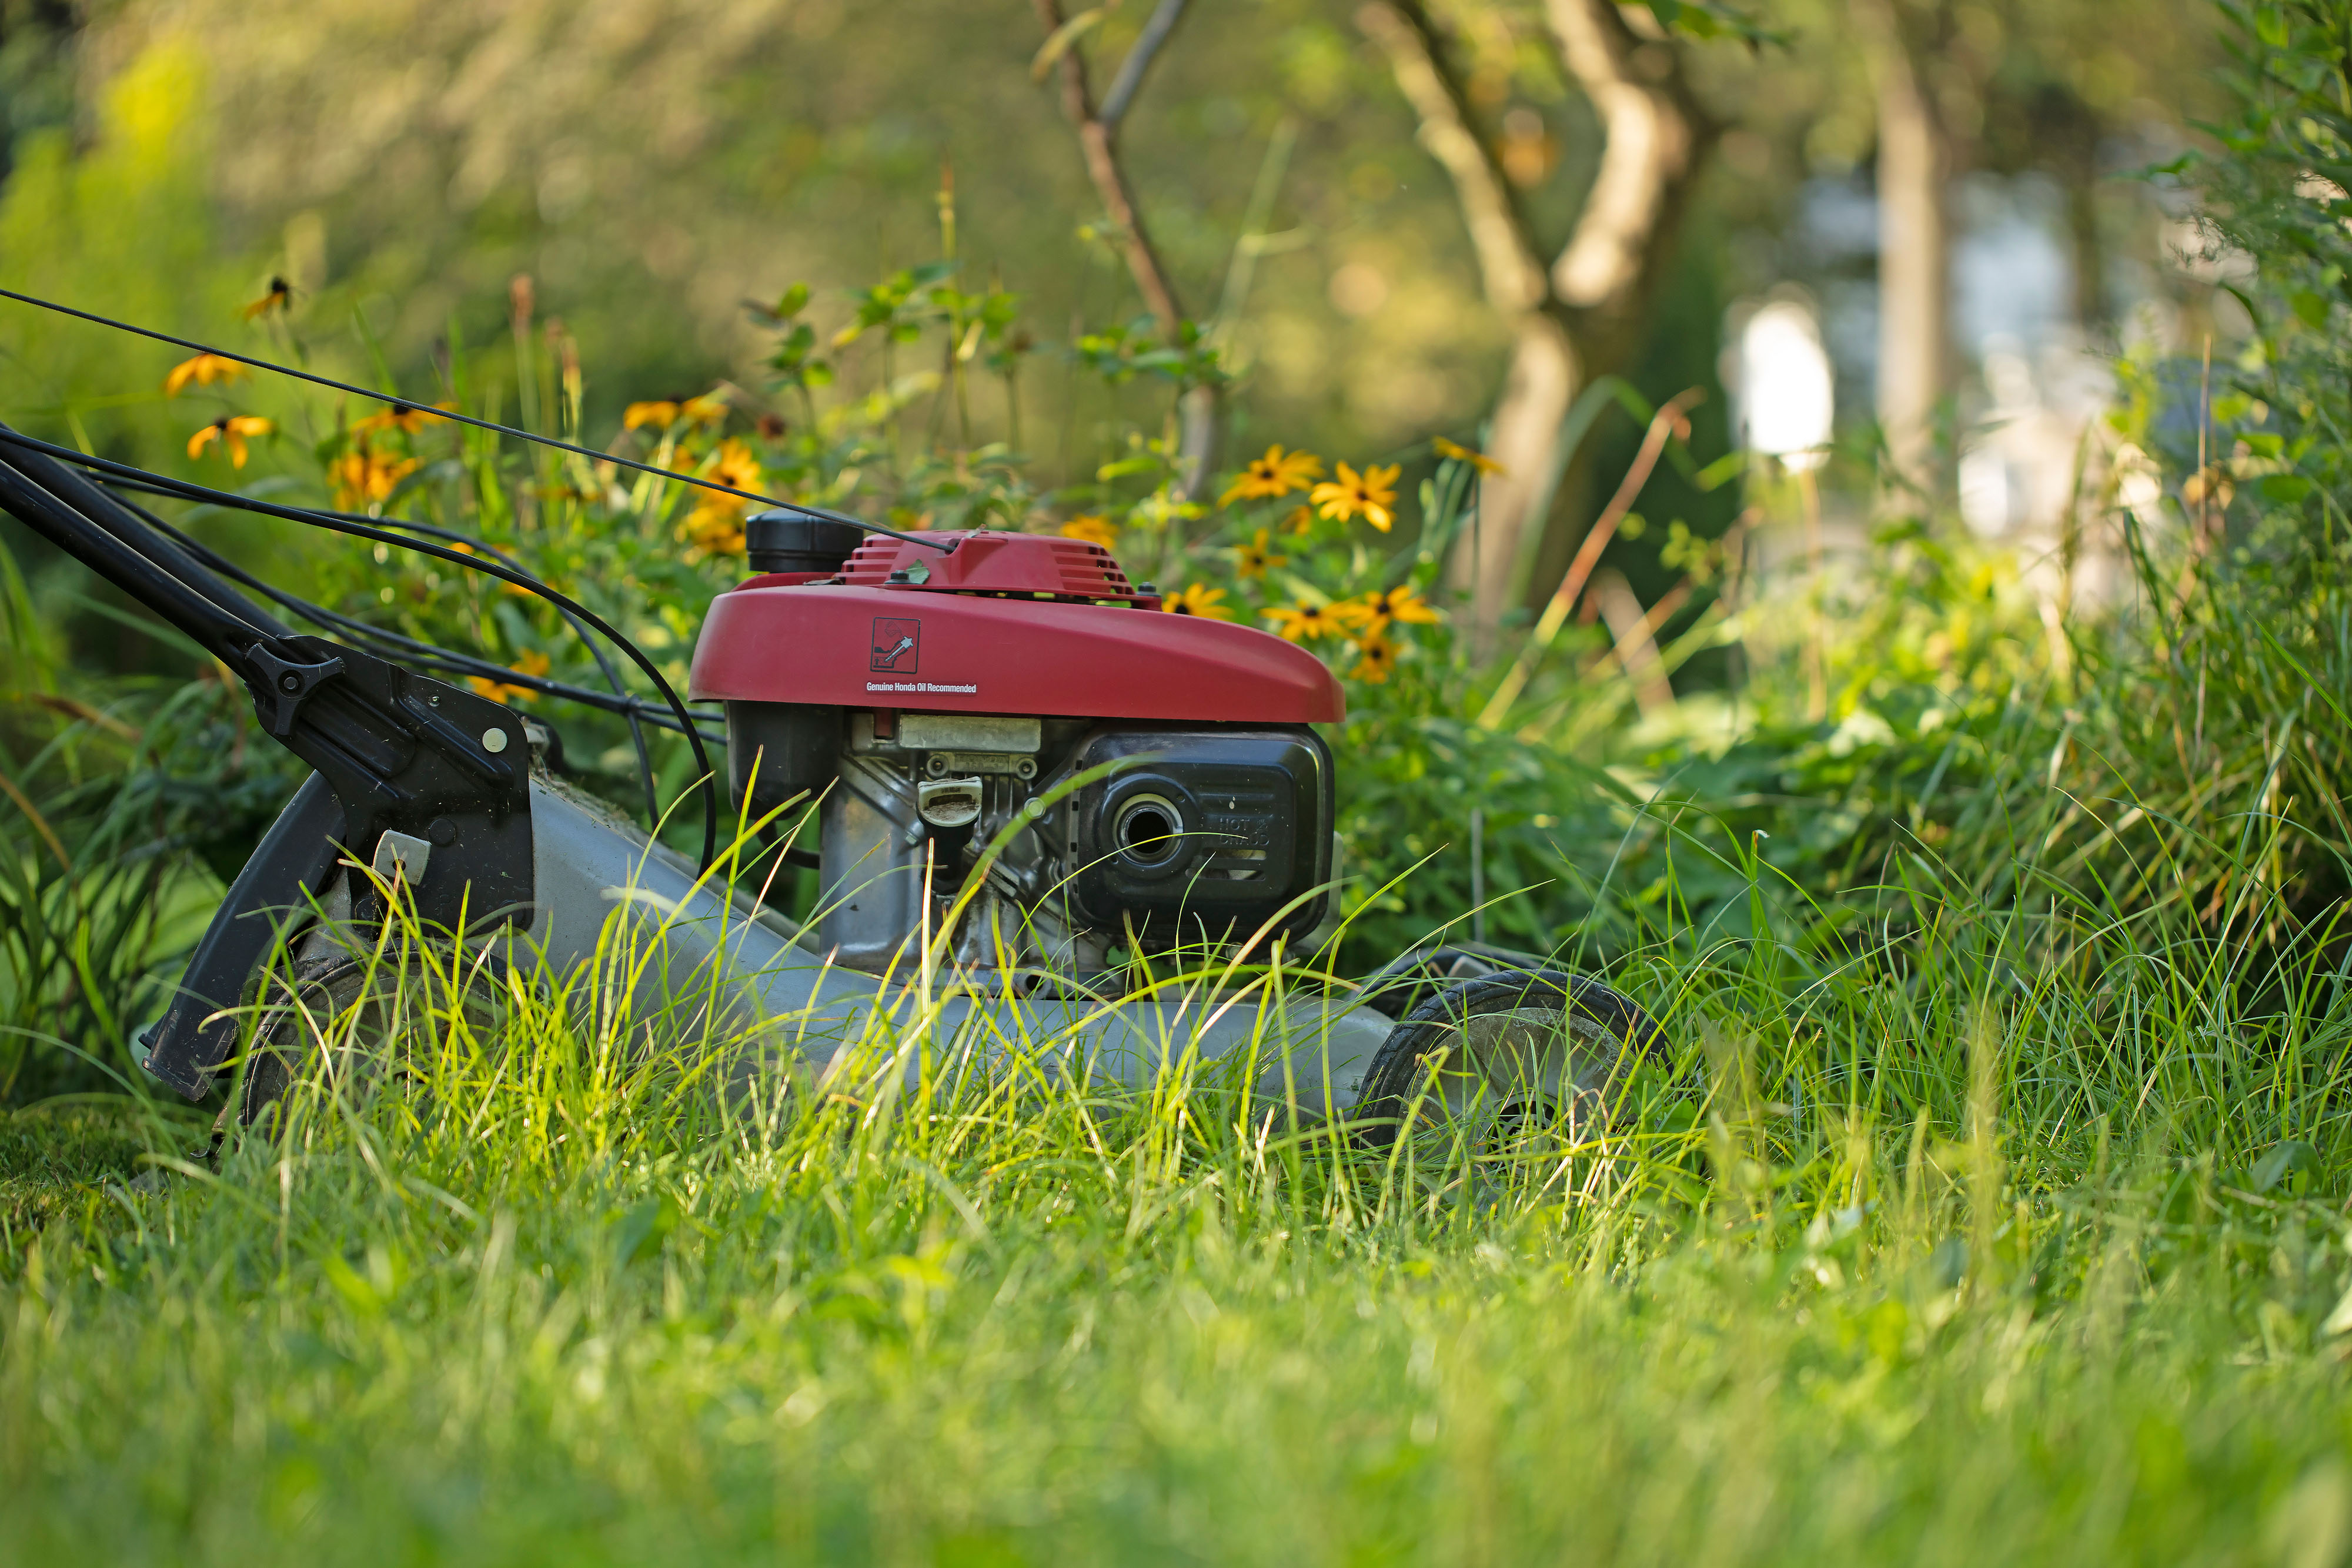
<point x="2011" y="1233"/>
<point x="1989" y="1200"/>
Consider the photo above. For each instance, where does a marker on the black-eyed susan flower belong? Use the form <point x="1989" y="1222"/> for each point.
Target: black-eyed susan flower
<point x="204" y="369"/>
<point x="1370" y="493"/>
<point x="232" y="431"/>
<point x="364" y="475"/>
<point x="717" y="522"/>
<point x="1298" y="519"/>
<point x="716" y="530"/>
<point x="278" y="296"/>
<point x="1257" y="557"/>
<point x="736" y="468"/>
<point x="1376" y="658"/>
<point x="1375" y="612"/>
<point x="710" y="408"/>
<point x="1305" y="623"/>
<point x="1278" y="472"/>
<point x="404" y="417"/>
<point x="1094" y="528"/>
<point x="1460" y="454"/>
<point x="661" y="414"/>
<point x="1198" y="598"/>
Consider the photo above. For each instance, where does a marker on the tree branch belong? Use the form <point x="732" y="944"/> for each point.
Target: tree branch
<point x="1655" y="135"/>
<point x="1508" y="261"/>
<point x="1096" y="140"/>
<point x="1575" y="318"/>
<point x="1130" y="81"/>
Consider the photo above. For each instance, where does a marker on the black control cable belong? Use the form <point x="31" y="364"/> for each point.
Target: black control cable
<point x="335" y="523"/>
<point x="635" y="711"/>
<point x="617" y="700"/>
<point x="404" y="406"/>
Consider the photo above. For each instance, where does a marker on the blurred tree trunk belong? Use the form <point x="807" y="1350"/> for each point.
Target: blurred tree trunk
<point x="2066" y="133"/>
<point x="1579" y="316"/>
<point x="1915" y="172"/>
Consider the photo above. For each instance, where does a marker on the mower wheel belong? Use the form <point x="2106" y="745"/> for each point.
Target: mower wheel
<point x="1490" y="1057"/>
<point x="1410" y="979"/>
<point x="346" y="1021"/>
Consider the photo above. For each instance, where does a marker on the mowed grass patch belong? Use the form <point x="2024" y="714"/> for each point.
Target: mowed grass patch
<point x="60" y="1155"/>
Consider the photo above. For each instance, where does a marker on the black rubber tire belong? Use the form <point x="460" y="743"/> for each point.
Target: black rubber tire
<point x="1604" y="1026"/>
<point x="327" y="986"/>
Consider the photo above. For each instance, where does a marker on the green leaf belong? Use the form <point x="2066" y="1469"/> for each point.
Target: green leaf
<point x="356" y="1293"/>
<point x="638" y="1234"/>
<point x="2290" y="1157"/>
<point x="2282" y="489"/>
<point x="1728" y="466"/>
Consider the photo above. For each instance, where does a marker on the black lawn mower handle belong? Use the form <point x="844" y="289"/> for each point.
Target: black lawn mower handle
<point x="392" y="751"/>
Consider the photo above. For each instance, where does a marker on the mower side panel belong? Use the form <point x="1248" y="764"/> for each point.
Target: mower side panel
<point x="749" y="974"/>
<point x="590" y="861"/>
<point x="834" y="645"/>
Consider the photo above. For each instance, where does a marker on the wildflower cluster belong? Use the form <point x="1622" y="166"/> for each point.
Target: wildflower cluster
<point x="1296" y="565"/>
<point x="230" y="432"/>
<point x="688" y="437"/>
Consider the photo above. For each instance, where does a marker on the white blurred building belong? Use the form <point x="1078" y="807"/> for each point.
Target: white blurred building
<point x="1783" y="390"/>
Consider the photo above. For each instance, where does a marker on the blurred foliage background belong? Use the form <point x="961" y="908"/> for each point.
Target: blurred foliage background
<point x="1502" y="259"/>
<point x="652" y="164"/>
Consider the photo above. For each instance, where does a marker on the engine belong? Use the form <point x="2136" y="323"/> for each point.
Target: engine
<point x="1153" y="778"/>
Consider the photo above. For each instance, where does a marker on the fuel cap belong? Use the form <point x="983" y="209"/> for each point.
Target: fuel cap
<point x="780" y="540"/>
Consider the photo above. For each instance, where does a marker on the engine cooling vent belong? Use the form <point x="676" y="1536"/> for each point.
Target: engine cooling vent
<point x="1006" y="565"/>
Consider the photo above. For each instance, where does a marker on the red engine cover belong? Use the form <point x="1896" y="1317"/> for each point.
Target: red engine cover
<point x="1004" y="623"/>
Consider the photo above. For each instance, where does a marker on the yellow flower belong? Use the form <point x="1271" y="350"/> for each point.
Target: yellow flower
<point x="662" y="412"/>
<point x="716" y="523"/>
<point x="531" y="662"/>
<point x="203" y="369"/>
<point x="1299" y="622"/>
<point x="1478" y="460"/>
<point x="714" y="528"/>
<point x="1374" y="612"/>
<point x="1257" y="557"/>
<point x="1372" y="493"/>
<point x="231" y="431"/>
<point x="1095" y="528"/>
<point x="1275" y="474"/>
<point x="1298" y="519"/>
<point x="1375" y="658"/>
<point x="1198" y="599"/>
<point x="737" y="467"/>
<point x="406" y="418"/>
<point x="364" y="475"/>
<point x="280" y="294"/>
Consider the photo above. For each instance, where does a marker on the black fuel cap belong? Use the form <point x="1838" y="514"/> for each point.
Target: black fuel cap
<point x="794" y="542"/>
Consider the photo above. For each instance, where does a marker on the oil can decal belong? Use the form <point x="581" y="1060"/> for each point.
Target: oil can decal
<point x="898" y="643"/>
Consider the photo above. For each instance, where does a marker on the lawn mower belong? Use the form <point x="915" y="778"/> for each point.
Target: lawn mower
<point x="1029" y="781"/>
